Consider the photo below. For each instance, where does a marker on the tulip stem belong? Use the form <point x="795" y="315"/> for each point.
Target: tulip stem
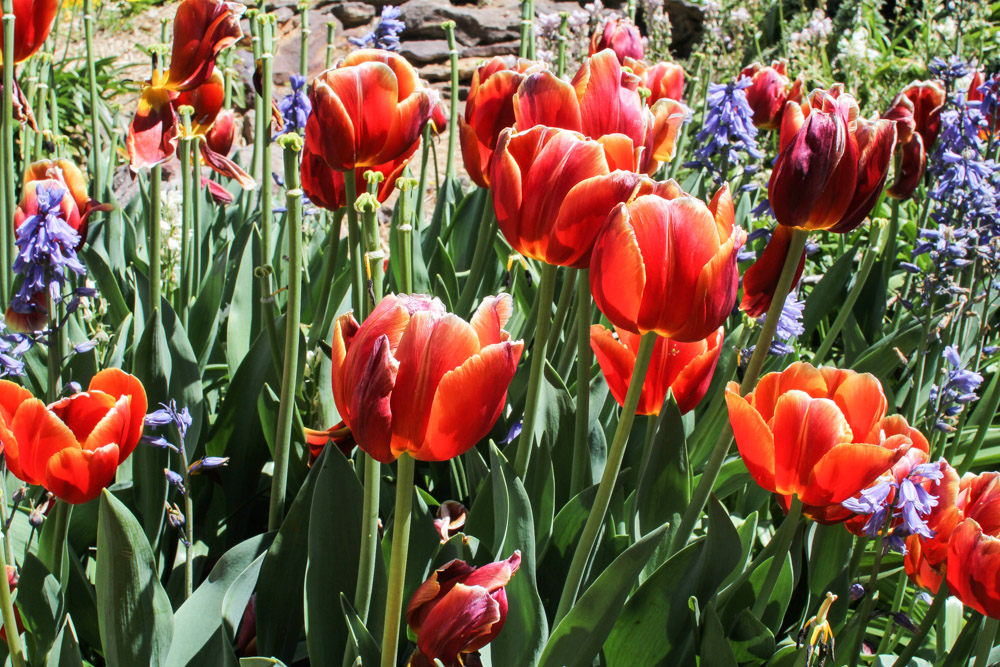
<point x="581" y="476"/>
<point x="783" y="537"/>
<point x="369" y="533"/>
<point x="266" y="206"/>
<point x="925" y="625"/>
<point x="331" y="31"/>
<point x="546" y="290"/>
<point x="397" y="567"/>
<point x="860" y="279"/>
<point x="563" y="306"/>
<point x="404" y="234"/>
<point x="864" y="612"/>
<point x="196" y="192"/>
<point x="721" y="449"/>
<point x="9" y="197"/>
<point x="425" y="155"/>
<point x="95" y="121"/>
<point x="304" y="38"/>
<point x="6" y="604"/>
<point x="563" y="38"/>
<point x="588" y="538"/>
<point x="484" y="246"/>
<point x="890" y="246"/>
<point x="184" y="297"/>
<point x="153" y="233"/>
<point x="292" y="145"/>
<point x="354" y="244"/>
<point x="984" y="646"/>
<point x="367" y="205"/>
<point x="449" y="31"/>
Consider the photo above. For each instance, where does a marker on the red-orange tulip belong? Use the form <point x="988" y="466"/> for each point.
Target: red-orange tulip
<point x="832" y="164"/>
<point x="770" y="90"/>
<point x="325" y="186"/>
<point x="32" y="23"/>
<point x="415" y="379"/>
<point x="202" y="28"/>
<point x="917" y="112"/>
<point x="459" y="610"/>
<point x="489" y="109"/>
<point x="972" y="95"/>
<point x="367" y="111"/>
<point x="973" y="568"/>
<point x="603" y="99"/>
<point x="621" y="37"/>
<point x="73" y="446"/>
<point x="814" y="433"/>
<point x="663" y="80"/>
<point x="761" y="280"/>
<point x="553" y="190"/>
<point x="683" y="368"/>
<point x="665" y="262"/>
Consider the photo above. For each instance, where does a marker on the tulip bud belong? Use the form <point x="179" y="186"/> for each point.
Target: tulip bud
<point x="621" y="37"/>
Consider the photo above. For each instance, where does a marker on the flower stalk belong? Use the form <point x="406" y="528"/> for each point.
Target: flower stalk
<point x="581" y="475"/>
<point x="95" y="122"/>
<point x="7" y="605"/>
<point x="7" y="146"/>
<point x="187" y="212"/>
<point x="397" y="566"/>
<point x="783" y="541"/>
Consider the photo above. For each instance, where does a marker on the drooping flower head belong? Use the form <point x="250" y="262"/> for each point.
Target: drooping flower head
<point x="958" y="390"/>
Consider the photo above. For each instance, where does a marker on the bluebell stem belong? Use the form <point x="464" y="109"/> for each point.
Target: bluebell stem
<point x="176" y="520"/>
<point x="728" y="131"/>
<point x="386" y="33"/>
<point x="295" y="106"/>
<point x="958" y="391"/>
<point x="899" y="507"/>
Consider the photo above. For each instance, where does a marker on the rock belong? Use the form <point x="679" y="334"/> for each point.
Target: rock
<point x="687" y="26"/>
<point x="353" y="14"/>
<point x="498" y="21"/>
<point x="442" y="71"/>
<point x="425" y="51"/>
<point x="490" y="50"/>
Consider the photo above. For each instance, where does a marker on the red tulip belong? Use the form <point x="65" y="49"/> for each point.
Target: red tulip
<point x="32" y="23"/>
<point x="415" y="379"/>
<point x="683" y="368"/>
<point x="928" y="98"/>
<point x="553" y="190"/>
<point x="12" y="580"/>
<point x="663" y="80"/>
<point x="603" y="99"/>
<point x="439" y="112"/>
<point x="367" y="111"/>
<point x="459" y="610"/>
<point x="814" y="433"/>
<point x="489" y="109"/>
<point x="832" y="164"/>
<point x="202" y="28"/>
<point x="325" y="186"/>
<point x="761" y="280"/>
<point x="917" y="113"/>
<point x="74" y="446"/>
<point x="621" y="37"/>
<point x="974" y="547"/>
<point x="450" y="520"/>
<point x="770" y="90"/>
<point x="665" y="262"/>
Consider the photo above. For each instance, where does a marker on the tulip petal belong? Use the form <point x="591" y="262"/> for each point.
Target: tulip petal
<point x="863" y="404"/>
<point x="82" y="412"/>
<point x="912" y="162"/>
<point x="118" y="383"/>
<point x="760" y="281"/>
<point x="617" y="272"/>
<point x="847" y="469"/>
<point x="220" y="164"/>
<point x="370" y="403"/>
<point x="459" y="618"/>
<point x="805" y="430"/>
<point x="876" y="142"/>
<point x="489" y="319"/>
<point x="37" y="436"/>
<point x="583" y="213"/>
<point x="609" y="99"/>
<point x="152" y="135"/>
<point x="695" y="374"/>
<point x="753" y="438"/>
<point x="973" y="568"/>
<point x="202" y="28"/>
<point x="545" y="99"/>
<point x="617" y="362"/>
<point x="668" y="118"/>
<point x="344" y="331"/>
<point x="494" y="107"/>
<point x="475" y="155"/>
<point x="77" y="476"/>
<point x="11" y="397"/>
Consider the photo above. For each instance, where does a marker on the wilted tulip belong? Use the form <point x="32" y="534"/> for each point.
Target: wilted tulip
<point x="450" y="520"/>
<point x="682" y="368"/>
<point x="917" y="113"/>
<point x="325" y="186"/>
<point x="663" y="80"/>
<point x="621" y="37"/>
<point x="666" y="262"/>
<point x="367" y="111"/>
<point x="814" y="433"/>
<point x="832" y="164"/>
<point x="553" y="190"/>
<point x="489" y="109"/>
<point x="32" y="23"/>
<point x="439" y="113"/>
<point x="459" y="610"/>
<point x="415" y="379"/>
<point x="769" y="91"/>
<point x="74" y="446"/>
<point x="602" y="100"/>
<point x="761" y="280"/>
<point x="202" y="28"/>
<point x="70" y="177"/>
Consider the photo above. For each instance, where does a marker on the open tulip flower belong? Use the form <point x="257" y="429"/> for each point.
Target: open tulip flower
<point x="553" y="190"/>
<point x="603" y="99"/>
<point x="683" y="368"/>
<point x="814" y="433"/>
<point x="202" y="28"/>
<point x="663" y="80"/>
<point x="974" y="551"/>
<point x="367" y="111"/>
<point x="325" y="186"/>
<point x="832" y="164"/>
<point x="621" y="37"/>
<point x="74" y="446"/>
<point x="415" y="379"/>
<point x="489" y="109"/>
<point x="917" y="112"/>
<point x="33" y="21"/>
<point x="69" y="176"/>
<point x="665" y="262"/>
<point x="769" y="91"/>
<point x="459" y="610"/>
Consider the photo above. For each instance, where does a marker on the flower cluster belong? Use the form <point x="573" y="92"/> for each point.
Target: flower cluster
<point x="386" y="33"/>
<point x="295" y="106"/>
<point x="948" y="70"/>
<point x="959" y="389"/>
<point x="728" y="131"/>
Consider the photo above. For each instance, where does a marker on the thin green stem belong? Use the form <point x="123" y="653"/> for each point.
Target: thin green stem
<point x="187" y="213"/>
<point x="588" y="538"/>
<point x="783" y="538"/>
<point x="188" y="520"/>
<point x="987" y="635"/>
<point x="563" y="307"/>
<point x="292" y="145"/>
<point x="354" y="244"/>
<point x="546" y="291"/>
<point x="864" y="612"/>
<point x="449" y="31"/>
<point x="7" y="145"/>
<point x="6" y="604"/>
<point x="153" y="233"/>
<point x="367" y="205"/>
<point x="563" y="38"/>
<point x="890" y="244"/>
<point x="267" y="86"/>
<point x="925" y="625"/>
<point x="845" y="309"/>
<point x="582" y="475"/>
<point x="304" y="38"/>
<point x="721" y="449"/>
<point x="196" y="215"/>
<point x="331" y="31"/>
<point x="95" y="135"/>
<point x="369" y="533"/>
<point x="523" y="49"/>
<point x="425" y="155"/>
<point x="397" y="566"/>
<point x="480" y="258"/>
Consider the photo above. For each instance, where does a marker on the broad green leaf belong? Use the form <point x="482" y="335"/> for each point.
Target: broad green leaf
<point x="368" y="650"/>
<point x="751" y="640"/>
<point x="829" y="292"/>
<point x="664" y="484"/>
<point x="715" y="650"/>
<point x="66" y="649"/>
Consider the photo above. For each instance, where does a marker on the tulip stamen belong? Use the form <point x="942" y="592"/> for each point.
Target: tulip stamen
<point x="821" y="641"/>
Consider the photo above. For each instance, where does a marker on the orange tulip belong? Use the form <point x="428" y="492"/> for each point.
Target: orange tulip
<point x="683" y="368"/>
<point x="666" y="262"/>
<point x="814" y="433"/>
<point x="325" y="186"/>
<point x="367" y="111"/>
<point x="415" y="379"/>
<point x="489" y="109"/>
<point x="663" y="80"/>
<point x="621" y="37"/>
<point x="917" y="112"/>
<point x="603" y="99"/>
<point x="770" y="90"/>
<point x="202" y="28"/>
<point x="553" y="190"/>
<point x="74" y="446"/>
<point x="832" y="164"/>
<point x="973" y="569"/>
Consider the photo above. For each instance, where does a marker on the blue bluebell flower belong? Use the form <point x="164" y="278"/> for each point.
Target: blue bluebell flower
<point x="959" y="389"/>
<point x="789" y="326"/>
<point x="386" y="33"/>
<point x="728" y="133"/>
<point x="948" y="70"/>
<point x="295" y="106"/>
<point x="169" y="414"/>
<point x="207" y="463"/>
